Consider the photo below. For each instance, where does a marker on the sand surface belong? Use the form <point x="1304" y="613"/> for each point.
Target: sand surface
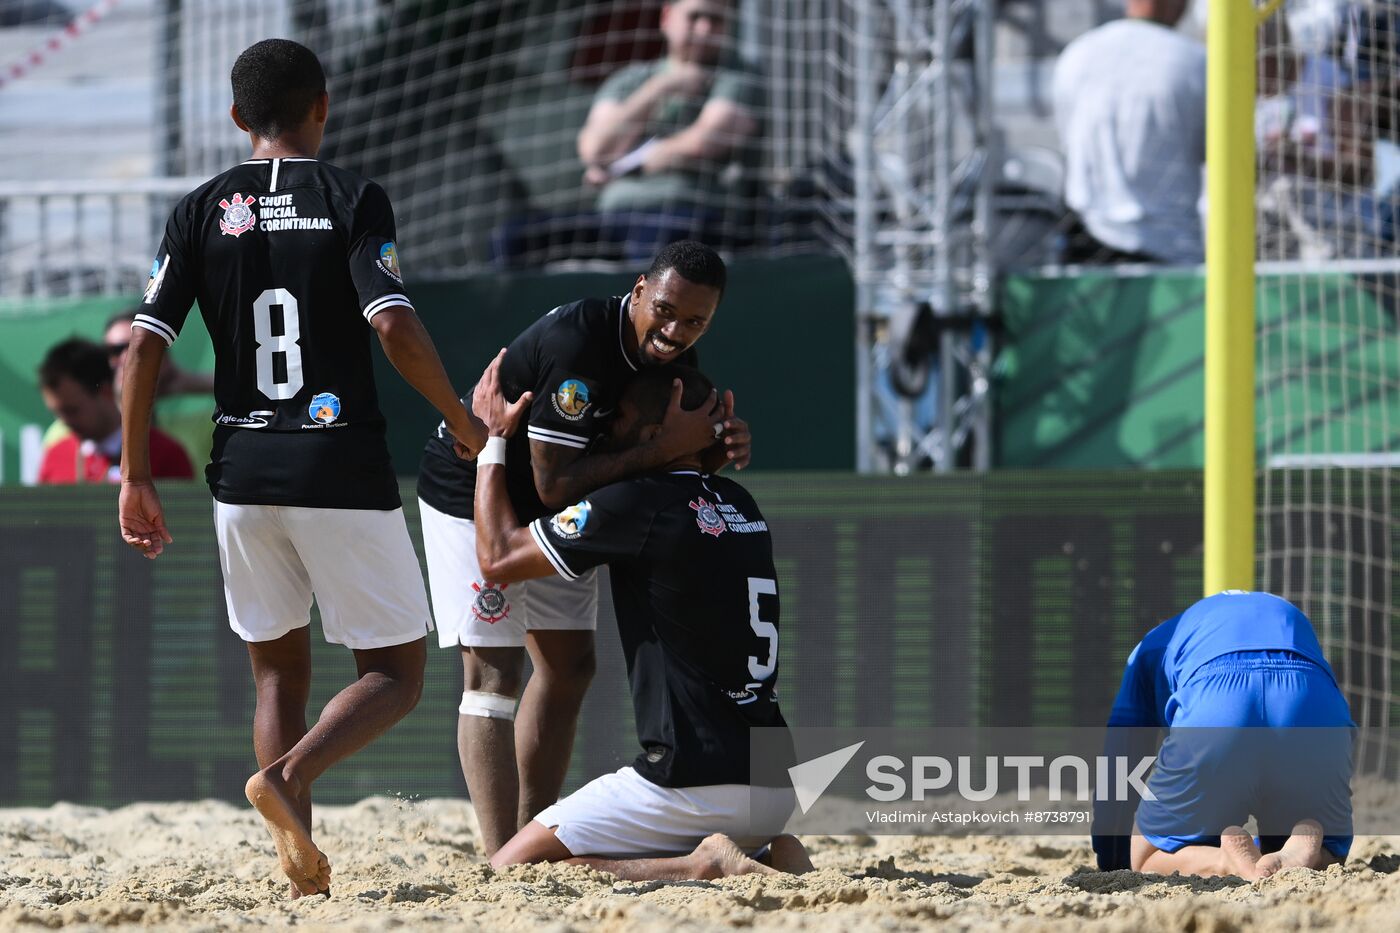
<point x="415" y="865"/>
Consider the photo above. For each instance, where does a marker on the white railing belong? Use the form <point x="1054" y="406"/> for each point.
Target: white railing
<point x="78" y="238"/>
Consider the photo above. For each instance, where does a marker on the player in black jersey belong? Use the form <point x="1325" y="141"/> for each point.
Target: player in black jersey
<point x="575" y="360"/>
<point x="696" y="596"/>
<point x="294" y="266"/>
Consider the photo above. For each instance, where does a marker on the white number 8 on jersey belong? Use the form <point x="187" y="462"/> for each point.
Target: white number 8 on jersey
<point x="284" y="343"/>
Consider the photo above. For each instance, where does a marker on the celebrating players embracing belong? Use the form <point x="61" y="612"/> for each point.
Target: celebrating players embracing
<point x="696" y="595"/>
<point x="294" y="266"/>
<point x="575" y="361"/>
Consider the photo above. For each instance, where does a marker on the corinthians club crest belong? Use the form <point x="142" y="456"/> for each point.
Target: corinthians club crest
<point x="490" y="605"/>
<point x="707" y="517"/>
<point x="238" y="216"/>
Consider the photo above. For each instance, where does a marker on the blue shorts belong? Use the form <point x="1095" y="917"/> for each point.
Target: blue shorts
<point x="1256" y="733"/>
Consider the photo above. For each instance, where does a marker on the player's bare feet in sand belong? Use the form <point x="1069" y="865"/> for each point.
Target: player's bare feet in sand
<point x="1240" y="852"/>
<point x="301" y="861"/>
<point x="718" y="857"/>
<point x="1302" y="850"/>
<point x="786" y="853"/>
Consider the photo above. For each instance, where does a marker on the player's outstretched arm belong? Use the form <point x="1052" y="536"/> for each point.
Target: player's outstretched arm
<point x="505" y="551"/>
<point x="562" y="477"/>
<point x="407" y="345"/>
<point x="138" y="507"/>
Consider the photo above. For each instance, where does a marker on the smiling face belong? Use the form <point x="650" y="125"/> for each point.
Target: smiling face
<point x="669" y="313"/>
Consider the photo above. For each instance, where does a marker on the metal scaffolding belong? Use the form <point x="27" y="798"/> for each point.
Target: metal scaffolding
<point x="925" y="155"/>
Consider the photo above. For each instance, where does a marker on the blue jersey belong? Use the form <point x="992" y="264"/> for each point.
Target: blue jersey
<point x="1160" y="689"/>
<point x="1218" y="625"/>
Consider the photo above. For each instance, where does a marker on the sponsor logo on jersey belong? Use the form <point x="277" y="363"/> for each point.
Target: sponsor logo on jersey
<point x="707" y="518"/>
<point x="238" y="216"/>
<point x="571" y="399"/>
<point x="157" y="277"/>
<point x="743" y="697"/>
<point x="570" y="523"/>
<point x="255" y="419"/>
<point x="389" y="261"/>
<point x="280" y="213"/>
<point x="735" y="520"/>
<point x="603" y="413"/>
<point x="490" y="605"/>
<point x="324" y="407"/>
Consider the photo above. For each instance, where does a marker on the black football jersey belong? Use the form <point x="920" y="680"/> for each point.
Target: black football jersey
<point x="696" y="598"/>
<point x="576" y="363"/>
<point x="288" y="259"/>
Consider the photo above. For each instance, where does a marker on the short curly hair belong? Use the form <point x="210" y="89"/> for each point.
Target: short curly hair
<point x="693" y="261"/>
<point x="275" y="84"/>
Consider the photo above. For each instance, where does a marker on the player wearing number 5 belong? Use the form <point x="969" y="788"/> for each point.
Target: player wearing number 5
<point x="696" y="596"/>
<point x="294" y="266"/>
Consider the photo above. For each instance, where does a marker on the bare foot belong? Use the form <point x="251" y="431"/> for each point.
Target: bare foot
<point x="786" y="853"/>
<point x="301" y="861"/>
<point x="718" y="857"/>
<point x="1302" y="850"/>
<point x="1241" y="854"/>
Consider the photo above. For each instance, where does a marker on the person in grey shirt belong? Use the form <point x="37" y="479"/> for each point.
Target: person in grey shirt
<point x="660" y="133"/>
<point x="1130" y="106"/>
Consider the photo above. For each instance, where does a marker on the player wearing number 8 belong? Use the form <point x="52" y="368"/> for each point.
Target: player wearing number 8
<point x="696" y="597"/>
<point x="294" y="267"/>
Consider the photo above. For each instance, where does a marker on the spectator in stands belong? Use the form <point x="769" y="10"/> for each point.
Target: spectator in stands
<point x="75" y="379"/>
<point x="1130" y="106"/>
<point x="658" y="139"/>
<point x="189" y="421"/>
<point x="1318" y="159"/>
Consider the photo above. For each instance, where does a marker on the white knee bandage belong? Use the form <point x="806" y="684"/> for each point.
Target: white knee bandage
<point x="490" y="705"/>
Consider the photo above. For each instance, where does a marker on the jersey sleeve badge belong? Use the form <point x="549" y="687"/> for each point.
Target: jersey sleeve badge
<point x="157" y="277"/>
<point x="238" y="216"/>
<point x="571" y="399"/>
<point x="389" y="261"/>
<point x="569" y="524"/>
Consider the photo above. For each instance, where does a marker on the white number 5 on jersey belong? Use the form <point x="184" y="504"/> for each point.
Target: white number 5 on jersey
<point x="760" y="669"/>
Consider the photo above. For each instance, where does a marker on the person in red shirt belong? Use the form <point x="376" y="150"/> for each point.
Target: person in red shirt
<point x="75" y="380"/>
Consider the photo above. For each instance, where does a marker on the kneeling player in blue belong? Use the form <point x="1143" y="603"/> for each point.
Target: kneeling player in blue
<point x="1256" y="726"/>
<point x="696" y="597"/>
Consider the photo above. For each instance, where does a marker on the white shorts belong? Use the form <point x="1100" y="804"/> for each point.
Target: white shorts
<point x="473" y="612"/>
<point x="358" y="563"/>
<point x="623" y="815"/>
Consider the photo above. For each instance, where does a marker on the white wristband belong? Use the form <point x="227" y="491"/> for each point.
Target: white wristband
<point x="494" y="451"/>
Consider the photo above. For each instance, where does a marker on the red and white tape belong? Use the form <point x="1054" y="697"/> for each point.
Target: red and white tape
<point x="57" y="42"/>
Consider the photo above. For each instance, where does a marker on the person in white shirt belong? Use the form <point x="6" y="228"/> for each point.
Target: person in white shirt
<point x="1130" y="107"/>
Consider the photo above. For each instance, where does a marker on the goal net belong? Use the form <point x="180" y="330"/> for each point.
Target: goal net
<point x="470" y="116"/>
<point x="1328" y="346"/>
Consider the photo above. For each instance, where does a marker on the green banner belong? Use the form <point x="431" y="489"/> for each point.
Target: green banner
<point x="1101" y="370"/>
